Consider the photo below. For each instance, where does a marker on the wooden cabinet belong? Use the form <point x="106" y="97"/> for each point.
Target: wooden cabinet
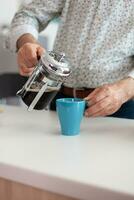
<point x="10" y="190"/>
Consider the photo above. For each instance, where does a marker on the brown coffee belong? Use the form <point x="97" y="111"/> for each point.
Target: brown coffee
<point x="43" y="102"/>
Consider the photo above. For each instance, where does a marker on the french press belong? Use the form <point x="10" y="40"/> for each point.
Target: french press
<point x="44" y="83"/>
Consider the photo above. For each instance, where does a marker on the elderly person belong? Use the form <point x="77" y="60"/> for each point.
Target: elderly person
<point x="98" y="38"/>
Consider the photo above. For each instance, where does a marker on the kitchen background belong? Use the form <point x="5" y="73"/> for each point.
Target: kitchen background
<point x="10" y="80"/>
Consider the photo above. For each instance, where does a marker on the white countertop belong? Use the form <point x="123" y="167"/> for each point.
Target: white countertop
<point x="97" y="164"/>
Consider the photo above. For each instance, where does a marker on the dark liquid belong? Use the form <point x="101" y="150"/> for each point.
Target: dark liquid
<point x="43" y="102"/>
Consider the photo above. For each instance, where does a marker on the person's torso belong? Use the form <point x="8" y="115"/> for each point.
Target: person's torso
<point x="98" y="38"/>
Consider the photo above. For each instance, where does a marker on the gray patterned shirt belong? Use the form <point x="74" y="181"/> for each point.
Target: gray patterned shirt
<point x="96" y="35"/>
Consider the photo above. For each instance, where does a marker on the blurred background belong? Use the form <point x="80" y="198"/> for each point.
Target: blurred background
<point x="10" y="80"/>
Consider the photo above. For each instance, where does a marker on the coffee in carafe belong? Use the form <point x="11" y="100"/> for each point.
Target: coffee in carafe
<point x="44" y="101"/>
<point x="45" y="81"/>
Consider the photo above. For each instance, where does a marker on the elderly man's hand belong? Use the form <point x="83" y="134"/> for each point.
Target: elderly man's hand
<point x="28" y="57"/>
<point x="107" y="99"/>
<point x="29" y="52"/>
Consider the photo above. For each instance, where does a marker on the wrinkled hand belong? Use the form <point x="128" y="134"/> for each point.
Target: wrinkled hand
<point x="28" y="56"/>
<point x="107" y="99"/>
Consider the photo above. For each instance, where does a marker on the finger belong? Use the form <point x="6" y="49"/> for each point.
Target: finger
<point x="22" y="59"/>
<point x="92" y="94"/>
<point x="24" y="71"/>
<point x="40" y="51"/>
<point x="100" y="95"/>
<point x="28" y="63"/>
<point x="104" y="112"/>
<point x="99" y="106"/>
<point x="106" y="89"/>
<point x="31" y="56"/>
<point x="24" y="74"/>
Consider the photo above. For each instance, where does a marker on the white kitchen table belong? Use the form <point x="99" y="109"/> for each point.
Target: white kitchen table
<point x="98" y="164"/>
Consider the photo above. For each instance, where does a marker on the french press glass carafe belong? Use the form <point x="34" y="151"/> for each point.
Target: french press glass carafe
<point x="45" y="81"/>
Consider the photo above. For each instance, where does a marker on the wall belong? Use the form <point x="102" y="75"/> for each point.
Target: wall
<point x="7" y="10"/>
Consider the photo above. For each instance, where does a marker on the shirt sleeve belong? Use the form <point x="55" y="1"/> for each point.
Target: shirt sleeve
<point x="32" y="19"/>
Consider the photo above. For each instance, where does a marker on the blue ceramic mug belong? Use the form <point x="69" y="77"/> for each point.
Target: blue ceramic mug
<point x="70" y="112"/>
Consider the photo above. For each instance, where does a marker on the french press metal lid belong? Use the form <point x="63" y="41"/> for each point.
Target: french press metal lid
<point x="51" y="71"/>
<point x="56" y="65"/>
